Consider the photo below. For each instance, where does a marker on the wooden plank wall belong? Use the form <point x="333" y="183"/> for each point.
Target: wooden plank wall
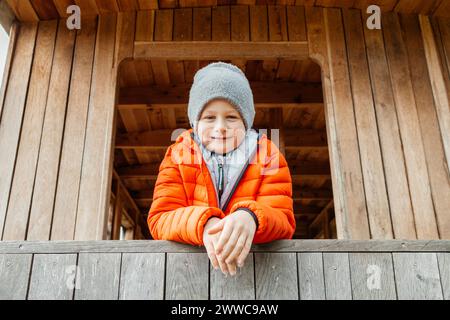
<point x="56" y="131"/>
<point x="386" y="104"/>
<point x="388" y="143"/>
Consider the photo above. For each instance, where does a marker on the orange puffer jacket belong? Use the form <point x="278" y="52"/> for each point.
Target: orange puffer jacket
<point x="184" y="197"/>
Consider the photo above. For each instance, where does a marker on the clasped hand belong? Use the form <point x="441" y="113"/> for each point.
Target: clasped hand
<point x="228" y="240"/>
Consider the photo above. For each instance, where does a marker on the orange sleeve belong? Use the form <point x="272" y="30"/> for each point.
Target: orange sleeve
<point x="273" y="205"/>
<point x="170" y="217"/>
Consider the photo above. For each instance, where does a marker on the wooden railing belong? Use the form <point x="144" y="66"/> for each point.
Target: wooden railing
<point x="287" y="269"/>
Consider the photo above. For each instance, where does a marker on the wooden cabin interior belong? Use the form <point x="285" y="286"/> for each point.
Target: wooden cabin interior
<point x="153" y="99"/>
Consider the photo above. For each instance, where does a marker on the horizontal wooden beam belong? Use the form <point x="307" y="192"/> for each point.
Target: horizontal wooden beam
<point x="155" y="139"/>
<point x="270" y="105"/>
<point x="165" y="246"/>
<point x="221" y="50"/>
<point x="264" y="92"/>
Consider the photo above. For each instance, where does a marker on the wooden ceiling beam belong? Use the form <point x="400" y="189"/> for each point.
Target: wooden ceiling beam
<point x="264" y="92"/>
<point x="275" y="105"/>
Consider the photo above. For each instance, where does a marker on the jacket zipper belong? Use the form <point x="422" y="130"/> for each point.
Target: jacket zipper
<point x="220" y="182"/>
<point x="237" y="181"/>
<point x="240" y="177"/>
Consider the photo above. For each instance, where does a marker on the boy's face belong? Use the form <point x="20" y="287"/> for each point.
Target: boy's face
<point x="220" y="127"/>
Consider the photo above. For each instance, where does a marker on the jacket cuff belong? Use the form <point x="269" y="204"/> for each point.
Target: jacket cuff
<point x="252" y="214"/>
<point x="208" y="214"/>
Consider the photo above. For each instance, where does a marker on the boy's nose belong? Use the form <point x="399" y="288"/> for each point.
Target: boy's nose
<point x="221" y="125"/>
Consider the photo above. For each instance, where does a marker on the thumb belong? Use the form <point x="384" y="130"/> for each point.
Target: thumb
<point x="216" y="228"/>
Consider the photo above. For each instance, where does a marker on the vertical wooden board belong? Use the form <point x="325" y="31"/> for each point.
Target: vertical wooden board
<point x="127" y="5"/>
<point x="444" y="272"/>
<point x="164" y="25"/>
<point x="53" y="277"/>
<point x="337" y="276"/>
<point x="107" y="6"/>
<point x="202" y="23"/>
<point x="417" y="7"/>
<point x="148" y="4"/>
<point x="220" y="23"/>
<point x="8" y="63"/>
<point x="13" y="109"/>
<point x="429" y="123"/>
<point x="117" y="215"/>
<point x="372" y="276"/>
<point x="88" y="7"/>
<point x="354" y="216"/>
<point x="444" y="32"/>
<point x="296" y="23"/>
<point x="96" y="172"/>
<point x="52" y="133"/>
<point x="274" y="276"/>
<point x="278" y="30"/>
<point x="412" y="142"/>
<point x="391" y="145"/>
<point x="240" y="23"/>
<point x="45" y="9"/>
<point x="98" y="276"/>
<point x="259" y="30"/>
<point x="176" y="71"/>
<point x="238" y="287"/>
<point x="187" y="276"/>
<point x="182" y="24"/>
<point x="366" y="123"/>
<point x="443" y="10"/>
<point x="439" y="74"/>
<point x="311" y="276"/>
<point x="14" y="275"/>
<point x="145" y="24"/>
<point x="62" y="5"/>
<point x="27" y="156"/>
<point x="125" y="35"/>
<point x="318" y="52"/>
<point x="23" y="9"/>
<point x="417" y="276"/>
<point x="142" y="276"/>
<point x="66" y="199"/>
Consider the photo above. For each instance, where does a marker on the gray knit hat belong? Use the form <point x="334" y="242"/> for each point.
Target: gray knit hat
<point x="221" y="80"/>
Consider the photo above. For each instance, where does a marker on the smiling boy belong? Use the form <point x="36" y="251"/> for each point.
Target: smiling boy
<point x="240" y="192"/>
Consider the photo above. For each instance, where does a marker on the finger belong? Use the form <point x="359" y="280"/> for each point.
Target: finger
<point x="237" y="249"/>
<point x="230" y="245"/>
<point x="231" y="267"/>
<point x="222" y="264"/>
<point x="243" y="255"/>
<point x="217" y="227"/>
<point x="212" y="254"/>
<point x="224" y="236"/>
